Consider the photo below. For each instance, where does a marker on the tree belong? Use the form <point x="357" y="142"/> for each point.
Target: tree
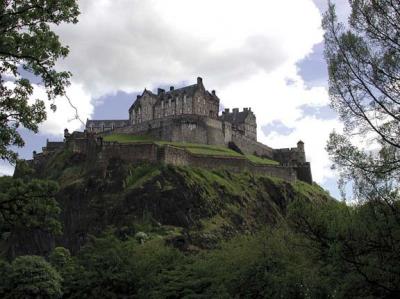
<point x="358" y="244"/>
<point x="28" y="44"/>
<point x="26" y="208"/>
<point x="364" y="85"/>
<point x="33" y="277"/>
<point x="28" y="205"/>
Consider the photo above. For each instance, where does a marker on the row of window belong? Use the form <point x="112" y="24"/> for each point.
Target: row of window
<point x="171" y="100"/>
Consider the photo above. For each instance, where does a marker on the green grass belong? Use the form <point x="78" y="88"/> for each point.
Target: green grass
<point x="310" y="190"/>
<point x="140" y="174"/>
<point x="203" y="149"/>
<point x="259" y="160"/>
<point x="126" y="138"/>
<point x="194" y="148"/>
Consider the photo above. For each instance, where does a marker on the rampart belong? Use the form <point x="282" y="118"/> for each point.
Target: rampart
<point x="99" y="151"/>
<point x="187" y="128"/>
<point x="147" y="151"/>
<point x="251" y="147"/>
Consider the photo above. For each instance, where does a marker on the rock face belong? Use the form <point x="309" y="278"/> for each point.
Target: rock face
<point x="190" y="207"/>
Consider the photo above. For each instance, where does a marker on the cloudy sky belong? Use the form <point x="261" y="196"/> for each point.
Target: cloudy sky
<point x="264" y="54"/>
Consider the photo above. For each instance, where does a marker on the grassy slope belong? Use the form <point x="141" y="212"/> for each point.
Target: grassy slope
<point x="200" y="149"/>
<point x="259" y="160"/>
<point x="159" y="199"/>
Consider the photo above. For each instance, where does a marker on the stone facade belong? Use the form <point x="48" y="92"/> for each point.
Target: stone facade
<point x="189" y="100"/>
<point x="242" y="122"/>
<point x="187" y="114"/>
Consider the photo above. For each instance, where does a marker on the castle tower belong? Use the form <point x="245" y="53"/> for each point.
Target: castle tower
<point x="301" y="152"/>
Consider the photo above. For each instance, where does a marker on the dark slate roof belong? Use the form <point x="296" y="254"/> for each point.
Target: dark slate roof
<point x="236" y="117"/>
<point x="107" y="122"/>
<point x="188" y="90"/>
<point x="180" y="92"/>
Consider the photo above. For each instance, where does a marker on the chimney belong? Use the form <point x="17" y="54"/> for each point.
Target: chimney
<point x="160" y="91"/>
<point x="171" y="88"/>
<point x="245" y="109"/>
<point x="138" y="97"/>
<point x="199" y="81"/>
<point x="213" y="93"/>
<point x="226" y="110"/>
<point x="235" y="110"/>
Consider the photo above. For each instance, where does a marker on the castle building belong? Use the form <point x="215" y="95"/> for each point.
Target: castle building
<point x="187" y="114"/>
<point x="191" y="114"/>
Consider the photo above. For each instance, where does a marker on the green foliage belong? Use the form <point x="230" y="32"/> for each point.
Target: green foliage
<point x="360" y="243"/>
<point x="110" y="268"/>
<point x="33" y="277"/>
<point x="28" y="43"/>
<point x="140" y="174"/>
<point x="357" y="246"/>
<point x="28" y="205"/>
<point x="60" y="258"/>
<point x="364" y="71"/>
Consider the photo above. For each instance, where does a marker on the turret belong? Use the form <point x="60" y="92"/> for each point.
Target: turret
<point x="66" y="133"/>
<point x="300" y="146"/>
<point x="301" y="152"/>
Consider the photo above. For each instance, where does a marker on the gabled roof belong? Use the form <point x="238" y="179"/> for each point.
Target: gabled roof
<point x="139" y="97"/>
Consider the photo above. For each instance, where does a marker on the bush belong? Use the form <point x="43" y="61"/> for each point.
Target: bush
<point x="33" y="277"/>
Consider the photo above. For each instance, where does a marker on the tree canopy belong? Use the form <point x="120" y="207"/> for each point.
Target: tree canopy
<point x="28" y="44"/>
<point x="364" y="85"/>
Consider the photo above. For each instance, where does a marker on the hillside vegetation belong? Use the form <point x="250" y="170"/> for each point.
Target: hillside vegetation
<point x="159" y="231"/>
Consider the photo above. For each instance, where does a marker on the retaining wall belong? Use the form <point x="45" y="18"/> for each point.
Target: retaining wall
<point x="148" y="151"/>
<point x="251" y="147"/>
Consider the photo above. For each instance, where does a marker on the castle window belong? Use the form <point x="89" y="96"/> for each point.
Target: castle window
<point x="170" y="102"/>
<point x="184" y="99"/>
<point x="162" y="104"/>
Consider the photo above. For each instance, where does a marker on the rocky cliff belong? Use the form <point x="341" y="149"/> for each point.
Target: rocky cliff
<point x="191" y="208"/>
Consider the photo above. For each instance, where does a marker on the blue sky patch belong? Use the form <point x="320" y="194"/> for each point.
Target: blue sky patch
<point x="278" y="127"/>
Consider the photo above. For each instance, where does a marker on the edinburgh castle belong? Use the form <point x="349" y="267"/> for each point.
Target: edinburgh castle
<point x="188" y="115"/>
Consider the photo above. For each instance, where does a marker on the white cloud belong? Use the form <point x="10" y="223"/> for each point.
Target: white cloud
<point x="64" y="116"/>
<point x="273" y="99"/>
<point x="131" y="44"/>
<point x="6" y="169"/>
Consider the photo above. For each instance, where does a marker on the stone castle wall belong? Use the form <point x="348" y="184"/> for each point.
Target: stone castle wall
<point x="146" y="151"/>
<point x="251" y="147"/>
<point x="288" y="155"/>
<point x="187" y="128"/>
